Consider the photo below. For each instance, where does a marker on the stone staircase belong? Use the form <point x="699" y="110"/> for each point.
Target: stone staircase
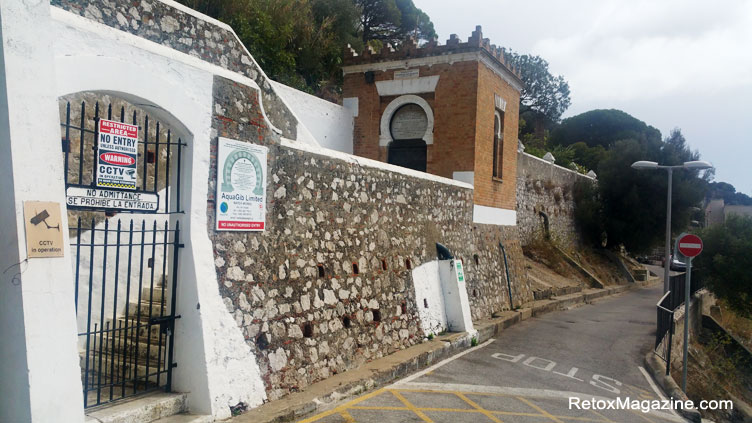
<point x="131" y="359"/>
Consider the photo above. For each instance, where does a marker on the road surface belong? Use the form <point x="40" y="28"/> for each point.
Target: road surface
<point x="530" y="372"/>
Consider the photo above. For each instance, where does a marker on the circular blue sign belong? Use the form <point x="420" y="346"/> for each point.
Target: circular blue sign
<point x="223" y="207"/>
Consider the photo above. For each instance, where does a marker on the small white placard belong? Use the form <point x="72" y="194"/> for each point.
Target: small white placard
<point x="407" y="74"/>
<point x="241" y="186"/>
<point x="111" y="199"/>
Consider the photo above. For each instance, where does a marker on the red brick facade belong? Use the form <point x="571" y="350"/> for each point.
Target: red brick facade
<point x="470" y="76"/>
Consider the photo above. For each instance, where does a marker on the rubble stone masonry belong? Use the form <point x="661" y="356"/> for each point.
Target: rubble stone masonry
<point x="328" y="285"/>
<point x="545" y="189"/>
<point x="183" y="30"/>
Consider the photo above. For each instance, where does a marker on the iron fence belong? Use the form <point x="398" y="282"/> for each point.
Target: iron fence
<point x="666" y="308"/>
<point x="159" y="167"/>
<point x="125" y="307"/>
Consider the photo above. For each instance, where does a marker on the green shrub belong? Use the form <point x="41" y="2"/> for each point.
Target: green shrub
<point x="725" y="264"/>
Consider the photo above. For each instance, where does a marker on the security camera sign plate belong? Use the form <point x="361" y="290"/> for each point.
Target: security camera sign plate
<point x="117" y="155"/>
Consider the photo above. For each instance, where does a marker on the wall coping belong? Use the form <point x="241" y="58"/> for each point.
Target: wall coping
<point x="522" y="153"/>
<point x="362" y="161"/>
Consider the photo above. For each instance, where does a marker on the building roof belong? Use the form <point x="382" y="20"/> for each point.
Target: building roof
<point x="409" y="50"/>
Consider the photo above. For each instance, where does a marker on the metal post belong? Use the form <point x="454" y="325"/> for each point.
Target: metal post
<point x="686" y="323"/>
<point x="670" y="340"/>
<point x="667" y="261"/>
<point x="506" y="268"/>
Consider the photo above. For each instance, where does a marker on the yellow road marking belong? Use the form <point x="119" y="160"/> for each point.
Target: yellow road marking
<point x="412" y="408"/>
<point x="435" y="391"/>
<point x="478" y="407"/>
<point x="605" y="419"/>
<point x="641" y="415"/>
<point x="365" y="407"/>
<point x="540" y="410"/>
<point x="419" y="411"/>
<point x="342" y="407"/>
<point x="347" y="416"/>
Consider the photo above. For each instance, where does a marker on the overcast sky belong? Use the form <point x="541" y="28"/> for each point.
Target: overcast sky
<point x="670" y="63"/>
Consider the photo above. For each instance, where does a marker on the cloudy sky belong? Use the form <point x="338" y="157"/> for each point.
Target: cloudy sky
<point x="670" y="63"/>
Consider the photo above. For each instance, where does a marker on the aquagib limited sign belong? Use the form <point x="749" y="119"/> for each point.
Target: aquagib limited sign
<point x="117" y="155"/>
<point x="241" y="186"/>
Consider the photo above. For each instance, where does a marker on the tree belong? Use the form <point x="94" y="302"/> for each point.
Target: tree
<point x="632" y="208"/>
<point x="300" y="42"/>
<point x="725" y="262"/>
<point x="603" y="127"/>
<point x="728" y="193"/>
<point x="545" y="97"/>
<point x="393" y="21"/>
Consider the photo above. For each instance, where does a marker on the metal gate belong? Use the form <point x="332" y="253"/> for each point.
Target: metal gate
<point x="125" y="262"/>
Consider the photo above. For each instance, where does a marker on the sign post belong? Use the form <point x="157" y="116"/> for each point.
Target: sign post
<point x="690" y="246"/>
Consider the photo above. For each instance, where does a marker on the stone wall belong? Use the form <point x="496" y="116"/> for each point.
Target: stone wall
<point x="545" y="189"/>
<point x="189" y="32"/>
<point x="329" y="285"/>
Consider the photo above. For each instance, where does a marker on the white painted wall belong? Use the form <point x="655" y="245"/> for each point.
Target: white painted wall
<point x="330" y="124"/>
<point x="40" y="379"/>
<point x="216" y="366"/>
<point x="465" y="176"/>
<point x="456" y="302"/>
<point x="441" y="298"/>
<point x="428" y="291"/>
<point x="494" y="216"/>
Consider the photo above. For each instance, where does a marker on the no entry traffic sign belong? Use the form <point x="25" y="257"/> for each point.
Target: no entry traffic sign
<point x="690" y="245"/>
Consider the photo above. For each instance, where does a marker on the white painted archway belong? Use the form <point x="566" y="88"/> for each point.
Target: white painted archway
<point x="219" y="368"/>
<point x="386" y="135"/>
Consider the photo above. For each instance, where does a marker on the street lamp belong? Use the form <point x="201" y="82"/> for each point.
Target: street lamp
<point x="646" y="165"/>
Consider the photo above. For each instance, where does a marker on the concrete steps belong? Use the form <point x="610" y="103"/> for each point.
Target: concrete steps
<point x="143" y="408"/>
<point x="139" y="342"/>
<point x="141" y="349"/>
<point x="186" y="418"/>
<point x="119" y="368"/>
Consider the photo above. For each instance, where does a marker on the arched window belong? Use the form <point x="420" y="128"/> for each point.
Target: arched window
<point x="407" y="128"/>
<point x="498" y="150"/>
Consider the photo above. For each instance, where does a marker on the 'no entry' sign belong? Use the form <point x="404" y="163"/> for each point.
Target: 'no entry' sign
<point x="690" y="245"/>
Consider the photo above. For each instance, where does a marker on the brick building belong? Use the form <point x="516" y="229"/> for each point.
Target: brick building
<point x="450" y="110"/>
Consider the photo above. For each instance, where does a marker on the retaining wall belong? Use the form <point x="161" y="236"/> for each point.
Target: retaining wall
<point x="294" y="290"/>
<point x="545" y="189"/>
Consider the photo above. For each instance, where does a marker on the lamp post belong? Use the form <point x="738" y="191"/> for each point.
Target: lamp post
<point x="646" y="165"/>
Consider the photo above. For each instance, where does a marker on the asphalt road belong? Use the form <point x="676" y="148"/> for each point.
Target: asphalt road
<point x="658" y="270"/>
<point x="530" y="372"/>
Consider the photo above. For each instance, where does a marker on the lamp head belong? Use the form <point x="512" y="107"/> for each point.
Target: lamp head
<point x="644" y="164"/>
<point x="697" y="164"/>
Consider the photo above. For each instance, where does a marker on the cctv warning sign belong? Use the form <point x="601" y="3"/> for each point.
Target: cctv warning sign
<point x="117" y="155"/>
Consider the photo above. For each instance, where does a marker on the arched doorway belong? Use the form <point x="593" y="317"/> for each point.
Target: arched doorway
<point x="407" y="128"/>
<point x="122" y="177"/>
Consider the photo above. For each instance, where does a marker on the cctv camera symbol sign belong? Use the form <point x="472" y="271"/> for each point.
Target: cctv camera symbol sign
<point x="117" y="154"/>
<point x="690" y="245"/>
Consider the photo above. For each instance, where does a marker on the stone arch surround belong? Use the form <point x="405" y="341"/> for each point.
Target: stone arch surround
<point x="385" y="136"/>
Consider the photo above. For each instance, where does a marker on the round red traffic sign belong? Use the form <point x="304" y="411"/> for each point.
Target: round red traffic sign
<point x="690" y="245"/>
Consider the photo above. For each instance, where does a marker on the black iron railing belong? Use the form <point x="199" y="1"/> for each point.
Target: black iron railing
<point x="666" y="308"/>
<point x="125" y="306"/>
<point x="159" y="156"/>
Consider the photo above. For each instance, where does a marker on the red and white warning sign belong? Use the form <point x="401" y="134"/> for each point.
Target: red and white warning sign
<point x="117" y="155"/>
<point x="690" y="245"/>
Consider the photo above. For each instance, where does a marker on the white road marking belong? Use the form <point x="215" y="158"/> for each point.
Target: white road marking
<point x="523" y="392"/>
<point x="655" y="388"/>
<point x="596" y="382"/>
<point x="690" y="245"/>
<point x="570" y="374"/>
<point x="439" y="364"/>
